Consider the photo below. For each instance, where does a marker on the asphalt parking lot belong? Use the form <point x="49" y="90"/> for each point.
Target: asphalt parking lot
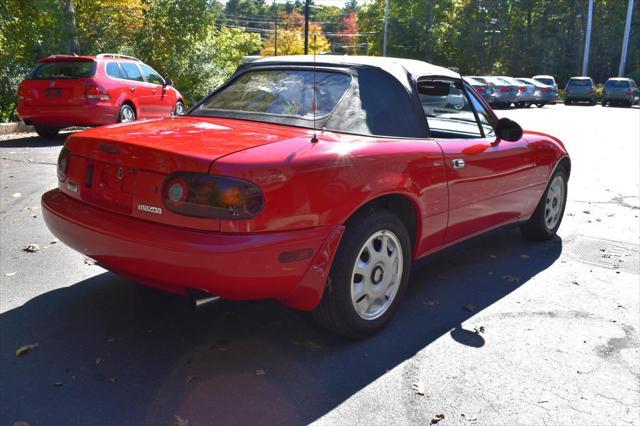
<point x="497" y="331"/>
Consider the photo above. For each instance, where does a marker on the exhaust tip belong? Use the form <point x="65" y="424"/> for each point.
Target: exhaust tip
<point x="201" y="298"/>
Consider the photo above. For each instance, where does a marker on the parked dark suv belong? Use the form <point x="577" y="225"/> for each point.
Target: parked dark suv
<point x="621" y="91"/>
<point x="580" y="89"/>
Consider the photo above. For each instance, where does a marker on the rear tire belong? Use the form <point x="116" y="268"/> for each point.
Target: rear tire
<point x="546" y="219"/>
<point x="567" y="101"/>
<point x="604" y="103"/>
<point x="368" y="277"/>
<point x="47" y="132"/>
<point x="540" y="105"/>
<point x="126" y="114"/>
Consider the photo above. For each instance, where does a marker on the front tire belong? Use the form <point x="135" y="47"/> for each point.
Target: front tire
<point x="180" y="109"/>
<point x="368" y="277"/>
<point x="126" y="114"/>
<point x="540" y="105"/>
<point x="546" y="219"/>
<point x="47" y="132"/>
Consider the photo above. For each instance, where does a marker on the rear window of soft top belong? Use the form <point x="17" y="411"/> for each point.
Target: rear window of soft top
<point x="62" y="69"/>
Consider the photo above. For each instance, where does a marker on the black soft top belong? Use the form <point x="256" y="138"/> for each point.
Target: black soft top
<point x="381" y="101"/>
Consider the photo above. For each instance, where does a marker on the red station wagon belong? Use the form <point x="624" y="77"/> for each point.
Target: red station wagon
<point x="316" y="184"/>
<point x="62" y="91"/>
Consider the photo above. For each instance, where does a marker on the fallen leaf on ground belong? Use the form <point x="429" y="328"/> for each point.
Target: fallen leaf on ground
<point x="99" y="361"/>
<point x="23" y="350"/>
<point x="418" y="388"/>
<point x="190" y="379"/>
<point x="89" y="262"/>
<point x="586" y="212"/>
<point x="511" y="279"/>
<point x="574" y="282"/>
<point x="479" y="330"/>
<point x="55" y="240"/>
<point x="180" y="421"/>
<point x="34" y="215"/>
<point x="10" y="274"/>
<point x="31" y="248"/>
<point x="469" y="307"/>
<point x="524" y="256"/>
<point x="310" y="344"/>
<point x="16" y="195"/>
<point x="437" y="418"/>
<point x="260" y="373"/>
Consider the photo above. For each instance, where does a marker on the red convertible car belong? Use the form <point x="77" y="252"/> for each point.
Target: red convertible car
<point x="316" y="184"/>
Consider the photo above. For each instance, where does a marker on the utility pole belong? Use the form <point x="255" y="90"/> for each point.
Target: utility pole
<point x="386" y="24"/>
<point x="494" y="23"/>
<point x="306" y="26"/>
<point x="275" y="40"/>
<point x="587" y="41"/>
<point x="430" y="33"/>
<point x="625" y="40"/>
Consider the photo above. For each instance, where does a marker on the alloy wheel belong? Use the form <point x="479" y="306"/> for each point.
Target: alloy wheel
<point x="377" y="275"/>
<point x="554" y="202"/>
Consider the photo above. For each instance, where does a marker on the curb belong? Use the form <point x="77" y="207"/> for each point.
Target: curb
<point x="17" y="127"/>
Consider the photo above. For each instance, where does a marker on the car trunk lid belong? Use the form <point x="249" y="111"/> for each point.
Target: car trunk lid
<point x="122" y="168"/>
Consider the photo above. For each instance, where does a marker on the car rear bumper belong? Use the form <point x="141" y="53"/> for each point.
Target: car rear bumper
<point x="234" y="266"/>
<point x="617" y="98"/>
<point x="96" y="114"/>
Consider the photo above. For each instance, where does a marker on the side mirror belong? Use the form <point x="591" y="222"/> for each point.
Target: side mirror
<point x="508" y="130"/>
<point x="168" y="82"/>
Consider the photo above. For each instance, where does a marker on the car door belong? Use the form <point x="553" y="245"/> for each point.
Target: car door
<point x="489" y="181"/>
<point x="140" y="91"/>
<point x="163" y="98"/>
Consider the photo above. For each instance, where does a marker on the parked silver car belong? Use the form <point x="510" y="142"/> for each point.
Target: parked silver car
<point x="486" y="90"/>
<point x="525" y="91"/>
<point x="549" y="80"/>
<point x="504" y="94"/>
<point x="580" y="89"/>
<point x="622" y="91"/>
<point x="543" y="94"/>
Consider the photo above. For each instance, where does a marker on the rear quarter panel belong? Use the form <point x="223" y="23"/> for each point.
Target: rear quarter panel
<point x="312" y="184"/>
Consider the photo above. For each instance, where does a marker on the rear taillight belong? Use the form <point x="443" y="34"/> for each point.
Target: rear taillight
<point x="522" y="89"/>
<point x="63" y="164"/>
<point x="629" y="92"/>
<point x="204" y="195"/>
<point x="21" y="93"/>
<point x="93" y="91"/>
<point x="544" y="90"/>
<point x="504" y="89"/>
<point x="480" y="90"/>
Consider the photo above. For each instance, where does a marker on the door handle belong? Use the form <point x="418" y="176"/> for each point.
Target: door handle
<point x="153" y="91"/>
<point x="457" y="163"/>
<point x="133" y="89"/>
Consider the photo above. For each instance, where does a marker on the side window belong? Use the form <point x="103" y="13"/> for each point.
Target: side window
<point x="151" y="75"/>
<point x="113" y="70"/>
<point x="448" y="113"/>
<point x="484" y="116"/>
<point x="131" y="71"/>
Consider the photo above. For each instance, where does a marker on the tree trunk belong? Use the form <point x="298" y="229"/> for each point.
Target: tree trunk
<point x="70" y="21"/>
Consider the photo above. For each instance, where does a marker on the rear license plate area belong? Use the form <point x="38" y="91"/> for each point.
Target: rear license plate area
<point x="53" y="92"/>
<point x="111" y="185"/>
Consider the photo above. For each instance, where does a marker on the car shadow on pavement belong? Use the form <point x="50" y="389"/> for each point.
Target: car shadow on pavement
<point x="110" y="352"/>
<point x="31" y="140"/>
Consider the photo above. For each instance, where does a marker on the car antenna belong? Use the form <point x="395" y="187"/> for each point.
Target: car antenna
<point x="314" y="138"/>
